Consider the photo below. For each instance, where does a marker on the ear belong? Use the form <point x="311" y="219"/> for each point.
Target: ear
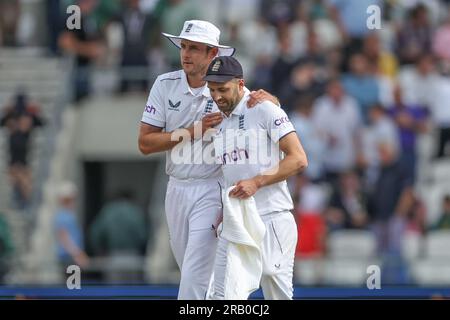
<point x="241" y="83"/>
<point x="213" y="52"/>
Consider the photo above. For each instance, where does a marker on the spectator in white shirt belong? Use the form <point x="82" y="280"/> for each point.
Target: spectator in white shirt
<point x="338" y="118"/>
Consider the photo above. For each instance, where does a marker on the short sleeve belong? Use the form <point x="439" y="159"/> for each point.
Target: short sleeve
<point x="154" y="112"/>
<point x="276" y="121"/>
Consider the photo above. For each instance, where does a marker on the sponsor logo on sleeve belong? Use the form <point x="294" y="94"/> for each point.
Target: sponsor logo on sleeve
<point x="150" y="109"/>
<point x="280" y="121"/>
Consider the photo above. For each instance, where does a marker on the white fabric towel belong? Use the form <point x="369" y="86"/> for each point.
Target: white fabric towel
<point x="243" y="228"/>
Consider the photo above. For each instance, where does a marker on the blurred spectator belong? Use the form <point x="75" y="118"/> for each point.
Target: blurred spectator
<point x="407" y="220"/>
<point x="310" y="200"/>
<point x="321" y="23"/>
<point x="382" y="61"/>
<point x="304" y="79"/>
<point x="443" y="223"/>
<point x="411" y="121"/>
<point x="6" y="247"/>
<point x="440" y="113"/>
<point x="136" y="28"/>
<point x="347" y="205"/>
<point x="314" y="52"/>
<point x="85" y="43"/>
<point x="20" y="119"/>
<point x="119" y="232"/>
<point x="9" y="17"/>
<point x="415" y="215"/>
<point x="361" y="84"/>
<point x="283" y="65"/>
<point x="441" y="40"/>
<point x="414" y="38"/>
<point x="337" y="116"/>
<point x="312" y="141"/>
<point x="298" y="30"/>
<point x="381" y="131"/>
<point x="389" y="187"/>
<point x="418" y="81"/>
<point x="275" y="11"/>
<point x="383" y="65"/>
<point x="69" y="235"/>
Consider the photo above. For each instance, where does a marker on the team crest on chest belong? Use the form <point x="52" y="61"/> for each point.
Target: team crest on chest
<point x="241" y="121"/>
<point x="209" y="106"/>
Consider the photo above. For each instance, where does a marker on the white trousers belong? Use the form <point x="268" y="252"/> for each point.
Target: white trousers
<point x="278" y="252"/>
<point x="192" y="208"/>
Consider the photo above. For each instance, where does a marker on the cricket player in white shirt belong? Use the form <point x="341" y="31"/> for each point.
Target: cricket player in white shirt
<point x="266" y="182"/>
<point x="178" y="102"/>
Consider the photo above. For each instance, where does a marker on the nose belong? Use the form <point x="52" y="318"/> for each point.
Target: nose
<point x="217" y="97"/>
<point x="184" y="53"/>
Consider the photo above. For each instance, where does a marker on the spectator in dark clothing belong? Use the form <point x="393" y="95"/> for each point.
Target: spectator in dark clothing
<point x="392" y="182"/>
<point x="389" y="203"/>
<point x="136" y="26"/>
<point x="306" y="75"/>
<point x="85" y="43"/>
<point x="303" y="81"/>
<point x="414" y="38"/>
<point x="347" y="206"/>
<point x="283" y="65"/>
<point x="119" y="233"/>
<point x="20" y="119"/>
<point x="411" y="121"/>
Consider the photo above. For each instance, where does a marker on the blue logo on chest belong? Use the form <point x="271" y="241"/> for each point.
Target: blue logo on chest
<point x="173" y="106"/>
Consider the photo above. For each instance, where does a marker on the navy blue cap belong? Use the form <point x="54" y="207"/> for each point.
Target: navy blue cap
<point x="223" y="69"/>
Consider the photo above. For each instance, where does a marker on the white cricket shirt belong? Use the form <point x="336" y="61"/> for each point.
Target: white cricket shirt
<point x="246" y="145"/>
<point x="172" y="105"/>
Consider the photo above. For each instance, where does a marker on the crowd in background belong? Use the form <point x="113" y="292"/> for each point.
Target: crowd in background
<point x="360" y="99"/>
